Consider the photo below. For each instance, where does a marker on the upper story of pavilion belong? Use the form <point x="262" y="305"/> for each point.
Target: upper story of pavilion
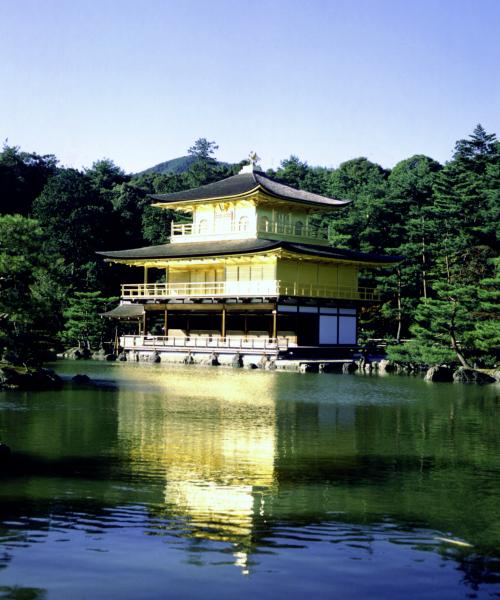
<point x="247" y="206"/>
<point x="250" y="237"/>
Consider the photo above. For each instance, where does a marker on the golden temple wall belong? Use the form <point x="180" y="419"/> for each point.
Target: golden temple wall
<point x="309" y="272"/>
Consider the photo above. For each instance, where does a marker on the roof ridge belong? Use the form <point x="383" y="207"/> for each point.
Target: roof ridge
<point x="244" y="183"/>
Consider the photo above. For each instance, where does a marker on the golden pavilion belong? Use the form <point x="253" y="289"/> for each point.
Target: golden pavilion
<point x="250" y="274"/>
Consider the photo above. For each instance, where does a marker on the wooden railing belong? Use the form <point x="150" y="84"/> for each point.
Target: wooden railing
<point x="207" y="289"/>
<point x="151" y="342"/>
<point x="305" y="231"/>
<point x="181" y="229"/>
<point x="231" y="289"/>
<point x="342" y="292"/>
<point x="271" y="227"/>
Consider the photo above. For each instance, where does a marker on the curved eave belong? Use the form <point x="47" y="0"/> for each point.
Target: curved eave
<point x="318" y="202"/>
<point x="176" y="203"/>
<point x="257" y="246"/>
<point x="192" y="250"/>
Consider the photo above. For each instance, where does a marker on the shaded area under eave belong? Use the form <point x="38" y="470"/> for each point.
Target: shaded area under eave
<point x="249" y="246"/>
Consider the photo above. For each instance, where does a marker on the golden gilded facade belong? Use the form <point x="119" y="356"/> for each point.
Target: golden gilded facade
<point x="249" y="267"/>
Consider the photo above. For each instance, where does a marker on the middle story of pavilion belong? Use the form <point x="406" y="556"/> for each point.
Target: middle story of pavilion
<point x="251" y="268"/>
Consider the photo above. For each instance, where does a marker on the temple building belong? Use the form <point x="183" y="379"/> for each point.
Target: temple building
<point x="251" y="273"/>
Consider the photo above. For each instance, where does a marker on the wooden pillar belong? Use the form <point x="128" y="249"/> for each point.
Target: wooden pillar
<point x="223" y="324"/>
<point x="145" y="274"/>
<point x="275" y="324"/>
<point x="165" y="322"/>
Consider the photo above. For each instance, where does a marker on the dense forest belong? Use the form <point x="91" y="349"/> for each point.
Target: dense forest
<point x="440" y="304"/>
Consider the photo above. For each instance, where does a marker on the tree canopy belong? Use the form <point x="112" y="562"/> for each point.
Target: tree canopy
<point x="443" y="219"/>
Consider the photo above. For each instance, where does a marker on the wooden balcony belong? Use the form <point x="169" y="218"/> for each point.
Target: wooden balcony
<point x="198" y="342"/>
<point x="248" y="289"/>
<point x="187" y="232"/>
<point x="212" y="289"/>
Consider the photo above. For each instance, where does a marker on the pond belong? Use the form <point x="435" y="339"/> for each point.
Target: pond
<point x="189" y="482"/>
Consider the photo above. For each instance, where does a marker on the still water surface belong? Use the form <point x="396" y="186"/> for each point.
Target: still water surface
<point x="212" y="483"/>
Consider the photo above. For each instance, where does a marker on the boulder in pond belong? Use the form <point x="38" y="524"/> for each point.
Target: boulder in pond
<point x="349" y="367"/>
<point x="439" y="373"/>
<point x="386" y="366"/>
<point x="99" y="355"/>
<point x="4" y="452"/>
<point x="24" y="379"/>
<point x="213" y="360"/>
<point x="263" y="361"/>
<point x="237" y="361"/>
<point x="77" y="353"/>
<point x="188" y="359"/>
<point x="465" y="375"/>
<point x="308" y="368"/>
<point x="81" y="379"/>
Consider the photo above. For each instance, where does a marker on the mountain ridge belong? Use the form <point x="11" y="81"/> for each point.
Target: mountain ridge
<point x="176" y="166"/>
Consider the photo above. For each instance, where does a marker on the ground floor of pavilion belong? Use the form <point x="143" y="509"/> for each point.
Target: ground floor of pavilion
<point x="277" y="327"/>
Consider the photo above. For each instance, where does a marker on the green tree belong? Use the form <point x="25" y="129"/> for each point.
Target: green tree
<point x="77" y="221"/>
<point x="23" y="176"/>
<point x="104" y="174"/>
<point x="153" y="223"/>
<point x="409" y="204"/>
<point x="300" y="175"/>
<point x="84" y="325"/>
<point x="445" y="321"/>
<point x="486" y="332"/>
<point x="460" y="244"/>
<point x="31" y="294"/>
<point x="203" y="150"/>
<point x="129" y="201"/>
<point x="478" y="149"/>
<point x="293" y="171"/>
<point x="205" y="169"/>
<point x="364" y="225"/>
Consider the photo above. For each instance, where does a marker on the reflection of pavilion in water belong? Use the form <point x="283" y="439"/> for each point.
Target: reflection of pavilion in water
<point x="216" y="442"/>
<point x="216" y="451"/>
<point x="242" y="455"/>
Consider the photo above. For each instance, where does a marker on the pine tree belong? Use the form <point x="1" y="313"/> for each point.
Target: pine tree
<point x="84" y="324"/>
<point x="486" y="332"/>
<point x="365" y="224"/>
<point x="460" y="237"/>
<point x="410" y="197"/>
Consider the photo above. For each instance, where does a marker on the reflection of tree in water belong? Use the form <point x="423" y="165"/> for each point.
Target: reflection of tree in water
<point x="236" y="474"/>
<point x="5" y="559"/>
<point x="478" y="570"/>
<point x="236" y="466"/>
<point x="21" y="593"/>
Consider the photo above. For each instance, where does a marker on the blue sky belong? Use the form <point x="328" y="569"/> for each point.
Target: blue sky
<point x="139" y="81"/>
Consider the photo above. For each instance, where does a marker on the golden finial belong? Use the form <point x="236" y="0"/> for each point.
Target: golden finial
<point x="254" y="158"/>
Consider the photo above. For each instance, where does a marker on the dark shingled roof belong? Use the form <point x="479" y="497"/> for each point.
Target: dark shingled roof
<point x="217" y="248"/>
<point x="124" y="311"/>
<point x="247" y="182"/>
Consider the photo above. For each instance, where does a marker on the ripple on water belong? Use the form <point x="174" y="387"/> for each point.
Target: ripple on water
<point x="305" y="480"/>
